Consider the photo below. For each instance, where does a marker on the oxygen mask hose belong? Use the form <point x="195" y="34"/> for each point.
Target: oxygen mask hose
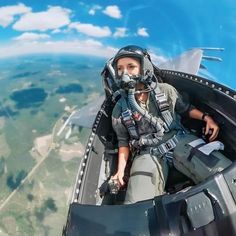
<point x="128" y="82"/>
<point x="156" y="122"/>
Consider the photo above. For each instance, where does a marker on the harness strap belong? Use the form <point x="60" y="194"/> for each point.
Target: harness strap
<point x="116" y="96"/>
<point x="199" y="145"/>
<point x="162" y="100"/>
<point x="128" y="120"/>
<point x="201" y="150"/>
<point x="164" y="107"/>
<point x="194" y="150"/>
<point x="164" y="147"/>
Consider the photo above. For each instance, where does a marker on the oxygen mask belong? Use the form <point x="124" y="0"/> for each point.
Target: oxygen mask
<point x="128" y="81"/>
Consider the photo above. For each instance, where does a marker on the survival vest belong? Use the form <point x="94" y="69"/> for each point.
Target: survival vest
<point x="162" y="105"/>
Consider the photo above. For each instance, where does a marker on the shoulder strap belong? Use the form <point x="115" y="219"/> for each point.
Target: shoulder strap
<point x="163" y="106"/>
<point x="128" y="120"/>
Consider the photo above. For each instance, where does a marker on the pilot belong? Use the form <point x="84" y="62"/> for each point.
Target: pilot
<point x="146" y="120"/>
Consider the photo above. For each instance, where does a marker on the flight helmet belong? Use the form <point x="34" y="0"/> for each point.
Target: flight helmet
<point x="142" y="55"/>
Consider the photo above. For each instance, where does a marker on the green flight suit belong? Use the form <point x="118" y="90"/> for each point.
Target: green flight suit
<point x="154" y="170"/>
<point x="149" y="173"/>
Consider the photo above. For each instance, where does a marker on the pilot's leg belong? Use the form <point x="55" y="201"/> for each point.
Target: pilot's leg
<point x="195" y="164"/>
<point x="148" y="175"/>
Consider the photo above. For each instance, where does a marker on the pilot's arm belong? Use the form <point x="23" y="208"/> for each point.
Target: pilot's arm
<point x="123" y="143"/>
<point x="183" y="107"/>
<point x="210" y="123"/>
<point x="123" y="155"/>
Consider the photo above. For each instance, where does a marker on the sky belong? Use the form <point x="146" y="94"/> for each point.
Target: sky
<point x="99" y="28"/>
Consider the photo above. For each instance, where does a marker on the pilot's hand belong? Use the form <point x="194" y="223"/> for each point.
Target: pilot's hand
<point x="119" y="176"/>
<point x="211" y="128"/>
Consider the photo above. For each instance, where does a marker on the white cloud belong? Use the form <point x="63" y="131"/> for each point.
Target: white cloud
<point x="120" y="32"/>
<point x="8" y="13"/>
<point x="113" y="11"/>
<point x="142" y="32"/>
<point x="92" y="43"/>
<point x="93" y="10"/>
<point x="81" y="47"/>
<point x="53" y="18"/>
<point x="89" y="47"/>
<point x="31" y="37"/>
<point x="56" y="31"/>
<point x="91" y="30"/>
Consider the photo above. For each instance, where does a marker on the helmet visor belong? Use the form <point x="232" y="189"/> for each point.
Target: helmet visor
<point x="131" y="50"/>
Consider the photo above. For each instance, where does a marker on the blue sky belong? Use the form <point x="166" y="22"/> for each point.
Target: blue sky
<point x="165" y="27"/>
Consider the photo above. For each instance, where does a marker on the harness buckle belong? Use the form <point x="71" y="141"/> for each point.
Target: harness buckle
<point x="168" y="145"/>
<point x="164" y="147"/>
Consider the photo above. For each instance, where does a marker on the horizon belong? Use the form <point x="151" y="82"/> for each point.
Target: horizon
<point x="95" y="28"/>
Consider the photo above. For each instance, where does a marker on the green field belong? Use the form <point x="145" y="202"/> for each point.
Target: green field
<point x="40" y="205"/>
